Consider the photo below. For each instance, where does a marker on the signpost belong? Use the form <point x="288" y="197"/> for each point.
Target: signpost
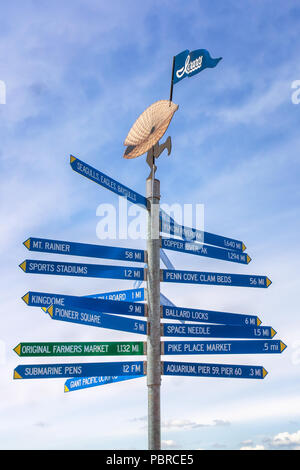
<point x="222" y="347"/>
<point x="217" y="279"/>
<point x="109" y="183"/>
<point x="42" y="299"/>
<point x="139" y="348"/>
<point x="129" y="295"/>
<point x="169" y="226"/>
<point x="95" y="348"/>
<point x="86" y="369"/>
<point x="82" y="269"/>
<point x="123" y="295"/>
<point x="205" y="250"/>
<point x="208" y="316"/>
<point x="121" y="272"/>
<point x="100" y="320"/>
<point x="44" y="245"/>
<point x="250" y="336"/>
<point x="87" y="382"/>
<point x="216" y="331"/>
<point x="138" y="368"/>
<point x="226" y="371"/>
<point x="153" y="338"/>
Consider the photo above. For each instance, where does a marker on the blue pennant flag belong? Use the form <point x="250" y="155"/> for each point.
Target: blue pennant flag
<point x="189" y="63"/>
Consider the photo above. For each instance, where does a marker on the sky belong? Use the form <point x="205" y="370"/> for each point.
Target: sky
<point x="77" y="75"/>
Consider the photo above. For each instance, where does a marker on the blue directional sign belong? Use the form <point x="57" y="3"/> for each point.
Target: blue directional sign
<point x="42" y="299"/>
<point x="107" y="182"/>
<point x="222" y="347"/>
<point x="80" y="383"/>
<point x="87" y="369"/>
<point x="128" y="295"/>
<point x="84" y="270"/>
<point x="226" y="371"/>
<point x="209" y="316"/>
<point x="218" y="279"/>
<point x="170" y="227"/>
<point x="217" y="331"/>
<point x="45" y="245"/>
<point x="205" y="250"/>
<point x="120" y="295"/>
<point x="100" y="320"/>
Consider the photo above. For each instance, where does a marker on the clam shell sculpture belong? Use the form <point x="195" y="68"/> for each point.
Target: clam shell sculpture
<point x="149" y="128"/>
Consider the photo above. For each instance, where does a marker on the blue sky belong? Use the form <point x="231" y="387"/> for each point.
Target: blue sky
<point x="77" y="75"/>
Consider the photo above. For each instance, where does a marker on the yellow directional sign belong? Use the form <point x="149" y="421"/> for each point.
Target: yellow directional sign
<point x="27" y="243"/>
<point x="282" y="346"/>
<point x="26" y="298"/>
<point x="50" y="311"/>
<point x="23" y="266"/>
<point x="268" y="282"/>
<point x="17" y="349"/>
<point x="16" y="375"/>
<point x="273" y="332"/>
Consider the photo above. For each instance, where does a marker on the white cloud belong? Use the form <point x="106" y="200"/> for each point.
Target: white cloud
<point x="286" y="439"/>
<point x="169" y="444"/>
<point x="176" y="424"/>
<point x="281" y="441"/>
<point x="256" y="447"/>
<point x="259" y="105"/>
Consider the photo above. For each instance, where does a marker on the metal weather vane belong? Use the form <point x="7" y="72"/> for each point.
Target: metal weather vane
<point x="145" y="133"/>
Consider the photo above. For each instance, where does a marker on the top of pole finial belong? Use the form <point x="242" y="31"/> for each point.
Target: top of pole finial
<point x="149" y="128"/>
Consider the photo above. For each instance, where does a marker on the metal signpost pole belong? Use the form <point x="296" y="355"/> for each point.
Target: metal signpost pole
<point x="153" y="338"/>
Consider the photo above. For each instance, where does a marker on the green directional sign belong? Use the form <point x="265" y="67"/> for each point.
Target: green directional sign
<point x="125" y="348"/>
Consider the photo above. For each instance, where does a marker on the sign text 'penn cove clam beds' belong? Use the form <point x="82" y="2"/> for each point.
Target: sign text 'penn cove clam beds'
<point x="44" y="245"/>
<point x="122" y="272"/>
<point x="217" y="279"/>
